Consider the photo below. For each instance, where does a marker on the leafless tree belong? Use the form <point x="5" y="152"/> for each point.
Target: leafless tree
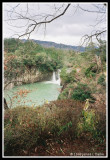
<point x="33" y="22"/>
<point x="101" y="11"/>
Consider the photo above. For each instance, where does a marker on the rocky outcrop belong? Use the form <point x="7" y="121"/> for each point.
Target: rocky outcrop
<point x="30" y="76"/>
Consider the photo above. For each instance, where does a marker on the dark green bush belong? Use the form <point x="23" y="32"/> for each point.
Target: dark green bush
<point x="91" y="71"/>
<point x="82" y="92"/>
<point x="11" y="44"/>
<point x="101" y="80"/>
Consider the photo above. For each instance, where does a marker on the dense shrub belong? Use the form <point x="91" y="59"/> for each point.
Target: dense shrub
<point x="66" y="92"/>
<point x="11" y="44"/>
<point x="27" y="127"/>
<point x="92" y="125"/>
<point x="91" y="70"/>
<point x="14" y="67"/>
<point x="82" y="92"/>
<point x="101" y="80"/>
<point x="101" y="126"/>
<point x="67" y="77"/>
<point x="87" y="124"/>
<point x="77" y="91"/>
<point x="20" y="130"/>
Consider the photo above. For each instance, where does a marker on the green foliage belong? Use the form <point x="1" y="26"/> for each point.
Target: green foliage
<point x="67" y="77"/>
<point x="46" y="63"/>
<point x="64" y="94"/>
<point x="87" y="124"/>
<point x="101" y="50"/>
<point x="92" y="125"/>
<point x="82" y="92"/>
<point x="28" y="62"/>
<point x="28" y="55"/>
<point x="65" y="127"/>
<point x="78" y="91"/>
<point x="63" y="75"/>
<point x="101" y="80"/>
<point x="11" y="44"/>
<point x="101" y="126"/>
<point x="91" y="71"/>
<point x="91" y="48"/>
<point x="15" y="67"/>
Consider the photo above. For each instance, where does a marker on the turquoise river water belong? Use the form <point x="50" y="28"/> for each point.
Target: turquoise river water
<point x="32" y="94"/>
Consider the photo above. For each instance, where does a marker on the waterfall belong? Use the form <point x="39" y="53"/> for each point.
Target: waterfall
<point x="58" y="74"/>
<point x="56" y="77"/>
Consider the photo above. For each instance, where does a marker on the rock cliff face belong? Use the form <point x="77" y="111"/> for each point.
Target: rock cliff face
<point x="30" y="76"/>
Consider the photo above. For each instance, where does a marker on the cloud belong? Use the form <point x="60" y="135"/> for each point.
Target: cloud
<point x="68" y="28"/>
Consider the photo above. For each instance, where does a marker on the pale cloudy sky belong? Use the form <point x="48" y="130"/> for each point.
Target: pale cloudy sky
<point x="67" y="29"/>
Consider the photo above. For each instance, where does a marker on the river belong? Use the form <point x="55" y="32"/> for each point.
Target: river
<point x="33" y="94"/>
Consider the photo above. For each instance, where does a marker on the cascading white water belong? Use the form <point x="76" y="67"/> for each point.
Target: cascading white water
<point x="55" y="78"/>
<point x="58" y="80"/>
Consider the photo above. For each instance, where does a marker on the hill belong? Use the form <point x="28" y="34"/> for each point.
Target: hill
<point x="58" y="45"/>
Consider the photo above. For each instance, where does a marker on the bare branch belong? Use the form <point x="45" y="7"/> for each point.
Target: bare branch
<point x="88" y="38"/>
<point x="93" y="11"/>
<point x="34" y="21"/>
<point x="46" y="21"/>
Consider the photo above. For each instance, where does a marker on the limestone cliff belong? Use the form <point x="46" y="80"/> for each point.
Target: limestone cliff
<point x="30" y="76"/>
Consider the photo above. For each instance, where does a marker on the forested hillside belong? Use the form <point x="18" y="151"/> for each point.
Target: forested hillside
<point x="57" y="45"/>
<point x="22" y="57"/>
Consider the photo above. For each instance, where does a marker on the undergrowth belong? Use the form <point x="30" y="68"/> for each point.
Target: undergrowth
<point x="27" y="127"/>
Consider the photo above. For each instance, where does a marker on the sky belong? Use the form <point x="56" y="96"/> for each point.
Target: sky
<point x="67" y="29"/>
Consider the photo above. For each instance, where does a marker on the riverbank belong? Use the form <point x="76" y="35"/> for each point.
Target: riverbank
<point x="28" y="77"/>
